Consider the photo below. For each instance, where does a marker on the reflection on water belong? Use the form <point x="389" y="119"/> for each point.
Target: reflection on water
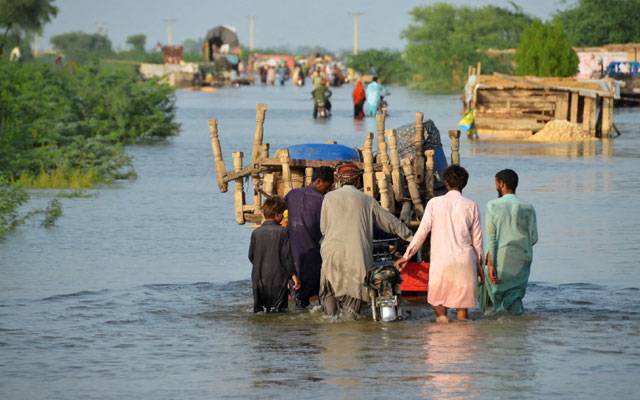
<point x="142" y="291"/>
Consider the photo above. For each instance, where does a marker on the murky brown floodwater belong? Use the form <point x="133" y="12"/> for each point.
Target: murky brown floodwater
<point x="143" y="292"/>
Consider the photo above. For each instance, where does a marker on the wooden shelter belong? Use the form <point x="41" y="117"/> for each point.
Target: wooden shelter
<point x="516" y="107"/>
<point x="401" y="185"/>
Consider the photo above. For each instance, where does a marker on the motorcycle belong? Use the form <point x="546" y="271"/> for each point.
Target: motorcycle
<point x="322" y="110"/>
<point x="383" y="282"/>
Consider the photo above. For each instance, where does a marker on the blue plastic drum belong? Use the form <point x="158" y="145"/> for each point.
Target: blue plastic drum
<point x="323" y="152"/>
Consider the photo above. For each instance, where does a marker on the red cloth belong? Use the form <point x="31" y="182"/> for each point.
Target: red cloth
<point x="358" y="94"/>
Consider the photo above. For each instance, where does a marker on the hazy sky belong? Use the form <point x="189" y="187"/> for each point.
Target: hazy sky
<point x="289" y="23"/>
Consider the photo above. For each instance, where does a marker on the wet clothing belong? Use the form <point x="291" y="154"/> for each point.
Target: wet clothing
<point x="456" y="247"/>
<point x="304" y="207"/>
<point x="270" y="254"/>
<point x="345" y="306"/>
<point x="347" y="222"/>
<point x="511" y="231"/>
<point x="373" y="94"/>
<point x="358" y="96"/>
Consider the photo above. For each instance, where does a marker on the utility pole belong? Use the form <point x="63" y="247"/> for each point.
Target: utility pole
<point x="252" y="32"/>
<point x="356" y="30"/>
<point x="169" y="25"/>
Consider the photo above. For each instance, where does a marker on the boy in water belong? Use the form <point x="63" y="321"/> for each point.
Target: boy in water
<point x="270" y="255"/>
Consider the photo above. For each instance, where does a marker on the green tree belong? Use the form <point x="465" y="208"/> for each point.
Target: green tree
<point x="137" y="42"/>
<point x="389" y="64"/>
<point x="545" y="50"/>
<point x="443" y="40"/>
<point x="19" y="18"/>
<point x="597" y="22"/>
<point x="81" y="46"/>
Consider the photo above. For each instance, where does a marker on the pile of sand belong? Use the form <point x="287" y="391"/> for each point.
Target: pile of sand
<point x="560" y="131"/>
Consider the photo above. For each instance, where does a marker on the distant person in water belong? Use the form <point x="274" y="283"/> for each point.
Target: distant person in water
<point x="374" y="94"/>
<point x="358" y="96"/>
<point x="270" y="254"/>
<point x="456" y="247"/>
<point x="304" y="205"/>
<point x="511" y="231"/>
<point x="321" y="95"/>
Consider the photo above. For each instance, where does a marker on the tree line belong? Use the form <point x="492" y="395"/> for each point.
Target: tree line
<point x="444" y="39"/>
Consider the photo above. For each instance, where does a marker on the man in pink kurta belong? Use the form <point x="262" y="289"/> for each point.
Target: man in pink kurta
<point x="456" y="247"/>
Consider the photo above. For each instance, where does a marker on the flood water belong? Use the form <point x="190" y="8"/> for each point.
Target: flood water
<point x="142" y="291"/>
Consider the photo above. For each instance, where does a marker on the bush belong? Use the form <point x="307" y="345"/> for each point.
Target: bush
<point x="545" y="50"/>
<point x="73" y="121"/>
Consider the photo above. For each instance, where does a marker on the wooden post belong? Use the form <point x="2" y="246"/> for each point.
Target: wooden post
<point x="386" y="198"/>
<point x="418" y="166"/>
<point x="594" y="116"/>
<point x="221" y="170"/>
<point x="454" y="137"/>
<point x="607" y="116"/>
<point x="562" y="107"/>
<point x="256" y="154"/>
<point x="396" y="178"/>
<point x="268" y="183"/>
<point x="405" y="212"/>
<point x="286" y="171"/>
<point x="414" y="190"/>
<point x="479" y="68"/>
<point x="586" y="115"/>
<point x="308" y="176"/>
<point x="258" y="134"/>
<point x="575" y="99"/>
<point x="429" y="172"/>
<point x="264" y="151"/>
<point x="382" y="157"/>
<point x="367" y="158"/>
<point x="297" y="178"/>
<point x="238" y="199"/>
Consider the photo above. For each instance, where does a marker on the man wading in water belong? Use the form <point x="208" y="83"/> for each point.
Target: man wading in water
<point x="511" y="233"/>
<point x="304" y="207"/>
<point x="347" y="220"/>
<point x="456" y="247"/>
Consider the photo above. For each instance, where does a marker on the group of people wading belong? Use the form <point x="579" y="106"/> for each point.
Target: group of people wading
<point x="328" y="245"/>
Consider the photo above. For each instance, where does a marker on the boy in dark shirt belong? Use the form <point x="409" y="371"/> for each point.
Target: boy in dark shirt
<point x="270" y="255"/>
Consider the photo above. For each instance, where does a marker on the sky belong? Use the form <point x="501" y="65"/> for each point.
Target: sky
<point x="278" y="23"/>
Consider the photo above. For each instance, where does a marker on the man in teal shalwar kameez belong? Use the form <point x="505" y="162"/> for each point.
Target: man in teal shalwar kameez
<point x="511" y="232"/>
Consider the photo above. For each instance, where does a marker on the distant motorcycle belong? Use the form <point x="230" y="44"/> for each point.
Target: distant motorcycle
<point x="322" y="111"/>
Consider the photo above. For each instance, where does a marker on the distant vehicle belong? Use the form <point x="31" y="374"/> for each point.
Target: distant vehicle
<point x="629" y="73"/>
<point x="623" y="69"/>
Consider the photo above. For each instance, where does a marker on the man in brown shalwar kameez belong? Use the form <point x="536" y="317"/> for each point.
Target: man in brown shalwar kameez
<point x="347" y="222"/>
